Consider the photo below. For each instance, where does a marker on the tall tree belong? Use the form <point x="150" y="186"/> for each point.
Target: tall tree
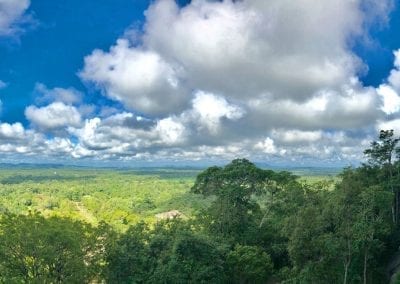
<point x="372" y="226"/>
<point x="128" y="258"/>
<point x="52" y="250"/>
<point x="249" y="264"/>
<point x="240" y="172"/>
<point x="381" y="154"/>
<point x="233" y="215"/>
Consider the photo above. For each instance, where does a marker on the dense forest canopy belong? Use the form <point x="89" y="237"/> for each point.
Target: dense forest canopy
<point x="261" y="226"/>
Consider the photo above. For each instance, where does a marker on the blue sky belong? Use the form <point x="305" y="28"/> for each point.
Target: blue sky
<point x="136" y="81"/>
<point x="52" y="51"/>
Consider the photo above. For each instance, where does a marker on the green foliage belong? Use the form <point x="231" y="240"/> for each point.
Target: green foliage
<point x="52" y="250"/>
<point x="381" y="155"/>
<point x="239" y="173"/>
<point x="233" y="215"/>
<point x="249" y="264"/>
<point x="209" y="181"/>
<point x="311" y="244"/>
<point x="249" y="225"/>
<point x="127" y="258"/>
<point x="119" y="198"/>
<point x="337" y="233"/>
<point x="193" y="259"/>
<point x="169" y="253"/>
<point x="383" y="150"/>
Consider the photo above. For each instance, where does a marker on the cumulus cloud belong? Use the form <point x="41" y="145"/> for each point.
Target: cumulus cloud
<point x="140" y="79"/>
<point x="59" y="146"/>
<point x="267" y="146"/>
<point x="67" y="96"/>
<point x="394" y="78"/>
<point x="11" y="14"/>
<point x="238" y="49"/>
<point x="170" y="131"/>
<point x="250" y="47"/>
<point x="11" y="131"/>
<point x="391" y="100"/>
<point x="353" y="107"/>
<point x="389" y="90"/>
<point x="120" y="135"/>
<point x="209" y="109"/>
<point x="54" y="116"/>
<point x="16" y="140"/>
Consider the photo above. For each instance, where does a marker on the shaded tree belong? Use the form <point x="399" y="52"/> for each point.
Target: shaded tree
<point x="193" y="259"/>
<point x="47" y="250"/>
<point x="128" y="257"/>
<point x="249" y="264"/>
<point x="381" y="154"/>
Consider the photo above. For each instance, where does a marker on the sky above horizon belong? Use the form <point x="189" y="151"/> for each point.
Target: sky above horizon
<point x="304" y="82"/>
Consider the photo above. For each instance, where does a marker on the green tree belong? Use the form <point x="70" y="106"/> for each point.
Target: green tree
<point x="193" y="259"/>
<point x="381" y="154"/>
<point x="312" y="245"/>
<point x="249" y="264"/>
<point x="233" y="215"/>
<point x="362" y="220"/>
<point x="339" y="235"/>
<point x="128" y="257"/>
<point x="240" y="173"/>
<point x="52" y="250"/>
<point x="170" y="252"/>
<point x="372" y="227"/>
<point x="209" y="181"/>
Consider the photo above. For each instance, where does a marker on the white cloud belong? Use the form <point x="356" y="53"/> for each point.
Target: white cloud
<point x="11" y="131"/>
<point x="87" y="133"/>
<point x="61" y="146"/>
<point x="390" y="124"/>
<point x="391" y="100"/>
<point x="15" y="140"/>
<point x="68" y="96"/>
<point x="209" y="109"/>
<point x="354" y="107"/>
<point x="237" y="49"/>
<point x="170" y="131"/>
<point x="296" y="136"/>
<point x="11" y="13"/>
<point x="54" y="116"/>
<point x="394" y="78"/>
<point x="267" y="146"/>
<point x="142" y="80"/>
<point x="389" y="91"/>
<point x="82" y="152"/>
<point x="125" y="134"/>
<point x="250" y="47"/>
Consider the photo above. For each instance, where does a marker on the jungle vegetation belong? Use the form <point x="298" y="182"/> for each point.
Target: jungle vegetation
<point x="238" y="224"/>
